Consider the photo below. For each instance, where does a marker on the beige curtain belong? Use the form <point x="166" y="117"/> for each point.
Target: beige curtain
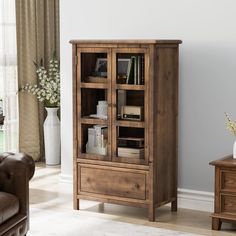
<point x="37" y="27"/>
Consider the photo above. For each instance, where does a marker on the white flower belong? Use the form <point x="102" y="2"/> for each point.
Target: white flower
<point x="49" y="84"/>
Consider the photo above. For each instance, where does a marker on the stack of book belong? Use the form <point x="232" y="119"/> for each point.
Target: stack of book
<point x="130" y="142"/>
<point x="97" y="140"/>
<point x="131" y="152"/>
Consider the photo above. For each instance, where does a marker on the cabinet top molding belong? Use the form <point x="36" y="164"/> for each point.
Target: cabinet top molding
<point x="124" y="41"/>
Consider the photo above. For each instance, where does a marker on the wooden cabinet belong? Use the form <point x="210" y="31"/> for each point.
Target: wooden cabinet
<point x="225" y="191"/>
<point x="125" y="111"/>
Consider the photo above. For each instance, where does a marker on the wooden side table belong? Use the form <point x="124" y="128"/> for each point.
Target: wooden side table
<point x="225" y="191"/>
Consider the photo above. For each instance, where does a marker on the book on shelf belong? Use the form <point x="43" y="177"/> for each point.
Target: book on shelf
<point x="135" y="69"/>
<point x="130" y="142"/>
<point x="97" y="136"/>
<point x="130" y="75"/>
<point x="91" y="135"/>
<point x="131" y="152"/>
<point x="136" y="72"/>
<point x="142" y="69"/>
<point x="97" y="140"/>
<point x="121" y="94"/>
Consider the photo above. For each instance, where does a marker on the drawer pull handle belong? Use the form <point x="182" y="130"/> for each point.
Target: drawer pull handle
<point x="137" y="186"/>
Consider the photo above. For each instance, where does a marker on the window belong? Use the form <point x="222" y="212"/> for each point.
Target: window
<point x="8" y="76"/>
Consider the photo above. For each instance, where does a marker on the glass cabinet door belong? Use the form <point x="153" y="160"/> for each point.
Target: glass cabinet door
<point x="130" y="102"/>
<point x="94" y="103"/>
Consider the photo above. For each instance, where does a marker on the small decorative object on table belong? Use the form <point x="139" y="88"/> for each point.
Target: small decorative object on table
<point x="101" y="110"/>
<point x="231" y="126"/>
<point x="48" y="91"/>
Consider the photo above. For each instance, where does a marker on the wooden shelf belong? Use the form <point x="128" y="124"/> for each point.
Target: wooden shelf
<point x="94" y="157"/>
<point x="113" y="164"/>
<point x="94" y="85"/>
<point x="128" y="123"/>
<point x="96" y="79"/>
<point x="93" y="121"/>
<point x="129" y="160"/>
<point x="130" y="87"/>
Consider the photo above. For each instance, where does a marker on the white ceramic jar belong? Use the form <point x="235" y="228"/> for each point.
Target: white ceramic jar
<point x="102" y="108"/>
<point x="52" y="137"/>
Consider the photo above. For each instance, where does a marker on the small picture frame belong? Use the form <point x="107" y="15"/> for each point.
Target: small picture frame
<point x="123" y="67"/>
<point x="101" y="67"/>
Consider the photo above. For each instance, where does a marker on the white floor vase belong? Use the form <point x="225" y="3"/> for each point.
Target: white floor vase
<point x="52" y="138"/>
<point x="234" y="150"/>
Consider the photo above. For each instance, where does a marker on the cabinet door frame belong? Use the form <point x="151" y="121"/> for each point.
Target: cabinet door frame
<point x="81" y="86"/>
<point x="115" y="123"/>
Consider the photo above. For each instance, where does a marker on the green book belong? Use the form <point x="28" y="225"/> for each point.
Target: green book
<point x="135" y="69"/>
<point x="139" y="70"/>
<point x="142" y="69"/>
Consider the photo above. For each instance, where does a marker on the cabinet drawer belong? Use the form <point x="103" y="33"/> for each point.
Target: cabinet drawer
<point x="228" y="203"/>
<point x="112" y="181"/>
<point x="228" y="181"/>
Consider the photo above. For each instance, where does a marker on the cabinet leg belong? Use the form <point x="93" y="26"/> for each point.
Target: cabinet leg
<point x="216" y="223"/>
<point x="174" y="205"/>
<point x="101" y="207"/>
<point x="151" y="213"/>
<point x="76" y="204"/>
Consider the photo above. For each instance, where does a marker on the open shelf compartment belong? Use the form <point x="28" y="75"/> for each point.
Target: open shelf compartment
<point x="130" y="145"/>
<point x="94" y="67"/>
<point x="130" y="105"/>
<point x="94" y="141"/>
<point x="130" y="68"/>
<point x="94" y="103"/>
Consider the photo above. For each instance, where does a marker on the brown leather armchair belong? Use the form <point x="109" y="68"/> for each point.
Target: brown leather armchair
<point x="15" y="172"/>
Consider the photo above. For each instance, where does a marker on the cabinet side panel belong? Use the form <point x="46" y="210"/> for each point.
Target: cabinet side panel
<point x="75" y="139"/>
<point x="165" y="124"/>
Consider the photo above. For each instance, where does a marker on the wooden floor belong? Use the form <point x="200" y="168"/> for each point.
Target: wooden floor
<point x="48" y="192"/>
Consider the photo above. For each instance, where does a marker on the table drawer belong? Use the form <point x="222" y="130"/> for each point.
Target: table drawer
<point x="228" y="203"/>
<point x="126" y="183"/>
<point x="228" y="181"/>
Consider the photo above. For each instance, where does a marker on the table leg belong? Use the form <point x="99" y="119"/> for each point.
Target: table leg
<point x="216" y="223"/>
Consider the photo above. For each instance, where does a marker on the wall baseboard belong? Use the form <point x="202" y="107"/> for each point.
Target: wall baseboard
<point x="187" y="198"/>
<point x="66" y="179"/>
<point x="195" y="200"/>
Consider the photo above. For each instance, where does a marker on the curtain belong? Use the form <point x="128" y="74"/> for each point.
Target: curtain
<point x="8" y="76"/>
<point x="37" y="24"/>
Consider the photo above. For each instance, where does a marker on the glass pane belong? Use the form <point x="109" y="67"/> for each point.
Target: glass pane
<point x="130" y="143"/>
<point x="7" y="14"/>
<point x="94" y="139"/>
<point x="130" y="105"/>
<point x="130" y="68"/>
<point x="94" y="103"/>
<point x="7" y="44"/>
<point x="94" y="67"/>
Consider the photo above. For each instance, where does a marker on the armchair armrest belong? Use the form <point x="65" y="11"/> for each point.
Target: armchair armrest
<point x="15" y="172"/>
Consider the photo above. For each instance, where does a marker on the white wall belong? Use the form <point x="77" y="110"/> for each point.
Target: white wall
<point x="207" y="69"/>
